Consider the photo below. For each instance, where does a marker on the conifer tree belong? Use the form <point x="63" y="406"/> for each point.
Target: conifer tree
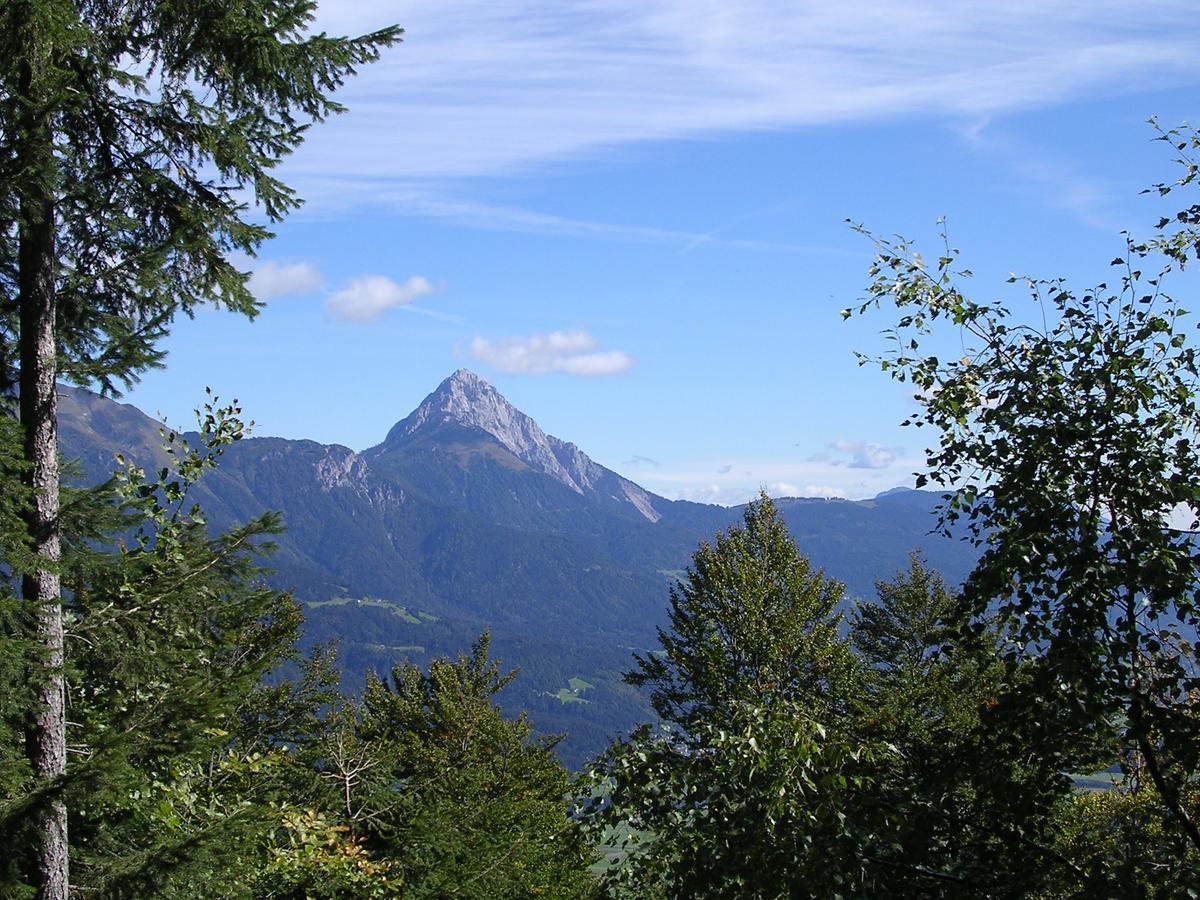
<point x="174" y="740"/>
<point x="750" y="620"/>
<point x="130" y="133"/>
<point x="430" y="791"/>
<point x="751" y="786"/>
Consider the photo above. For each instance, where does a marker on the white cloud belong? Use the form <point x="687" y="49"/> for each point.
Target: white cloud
<point x="505" y="86"/>
<point x="824" y="490"/>
<point x="787" y="489"/>
<point x="1181" y="517"/>
<point x="271" y="280"/>
<point x="783" y="489"/>
<point x="865" y="454"/>
<point x="573" y="352"/>
<point x="708" y="493"/>
<point x="703" y="480"/>
<point x="370" y="296"/>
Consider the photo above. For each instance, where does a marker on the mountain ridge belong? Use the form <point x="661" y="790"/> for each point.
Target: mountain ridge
<point x="468" y="516"/>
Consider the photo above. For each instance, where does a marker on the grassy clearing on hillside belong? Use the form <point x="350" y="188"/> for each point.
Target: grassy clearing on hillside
<point x="570" y="694"/>
<point x="398" y="611"/>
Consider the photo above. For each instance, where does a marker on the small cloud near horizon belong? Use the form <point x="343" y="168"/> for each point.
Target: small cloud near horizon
<point x="570" y="352"/>
<point x="370" y="296"/>
<point x="787" y="489"/>
<point x="736" y="495"/>
<point x="864" y="454"/>
<point x="271" y="280"/>
<point x="639" y="460"/>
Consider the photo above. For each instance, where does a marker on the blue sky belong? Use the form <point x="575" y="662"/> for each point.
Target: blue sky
<point x="630" y="218"/>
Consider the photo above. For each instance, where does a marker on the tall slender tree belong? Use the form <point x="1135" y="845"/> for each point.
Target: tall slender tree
<point x="132" y="133"/>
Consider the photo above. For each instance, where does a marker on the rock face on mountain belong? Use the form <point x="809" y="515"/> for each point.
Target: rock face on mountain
<point x="469" y="516"/>
<point x="464" y="402"/>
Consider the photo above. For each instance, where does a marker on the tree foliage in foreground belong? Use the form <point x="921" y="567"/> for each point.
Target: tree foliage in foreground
<point x="1069" y="442"/>
<point x="131" y="134"/>
<point x="896" y="757"/>
<point x="744" y="785"/>
<point x="167" y="641"/>
<point x="198" y="771"/>
<point x="424" y="789"/>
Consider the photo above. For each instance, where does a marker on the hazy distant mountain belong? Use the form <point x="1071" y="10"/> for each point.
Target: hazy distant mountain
<point x="467" y="516"/>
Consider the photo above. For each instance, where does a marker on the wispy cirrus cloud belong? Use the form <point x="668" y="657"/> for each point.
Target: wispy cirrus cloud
<point x="331" y="194"/>
<point x="638" y="460"/>
<point x="571" y="352"/>
<point x="1057" y="178"/>
<point x="370" y="296"/>
<point x="509" y="86"/>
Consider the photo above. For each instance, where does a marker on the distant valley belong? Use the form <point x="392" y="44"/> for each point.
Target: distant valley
<point x="468" y="516"/>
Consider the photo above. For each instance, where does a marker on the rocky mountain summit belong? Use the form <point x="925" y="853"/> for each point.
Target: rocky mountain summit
<point x="466" y="401"/>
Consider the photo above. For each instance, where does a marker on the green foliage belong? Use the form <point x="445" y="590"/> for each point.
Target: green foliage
<point x="921" y="770"/>
<point x="157" y="119"/>
<point x="425" y="784"/>
<point x="752" y="787"/>
<point x="321" y="860"/>
<point x="167" y="643"/>
<point x="969" y="812"/>
<point x="1067" y="443"/>
<point x="751" y="623"/>
<point x="1119" y="839"/>
<point x="768" y="806"/>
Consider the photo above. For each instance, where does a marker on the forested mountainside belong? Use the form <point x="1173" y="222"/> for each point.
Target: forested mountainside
<point x="468" y="516"/>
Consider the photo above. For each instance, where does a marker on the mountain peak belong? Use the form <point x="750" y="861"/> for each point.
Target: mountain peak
<point x="463" y="377"/>
<point x="467" y="401"/>
<point x="464" y="400"/>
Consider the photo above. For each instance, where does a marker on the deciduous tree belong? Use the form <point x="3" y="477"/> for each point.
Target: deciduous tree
<point x="1067" y="439"/>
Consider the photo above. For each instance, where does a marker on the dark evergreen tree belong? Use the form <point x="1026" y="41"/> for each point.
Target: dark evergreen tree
<point x="752" y="786"/>
<point x="969" y="811"/>
<point x="429" y="791"/>
<point x="173" y="737"/>
<point x="128" y="134"/>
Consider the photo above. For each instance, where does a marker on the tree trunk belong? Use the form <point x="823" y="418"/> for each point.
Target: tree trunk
<point x="46" y="737"/>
